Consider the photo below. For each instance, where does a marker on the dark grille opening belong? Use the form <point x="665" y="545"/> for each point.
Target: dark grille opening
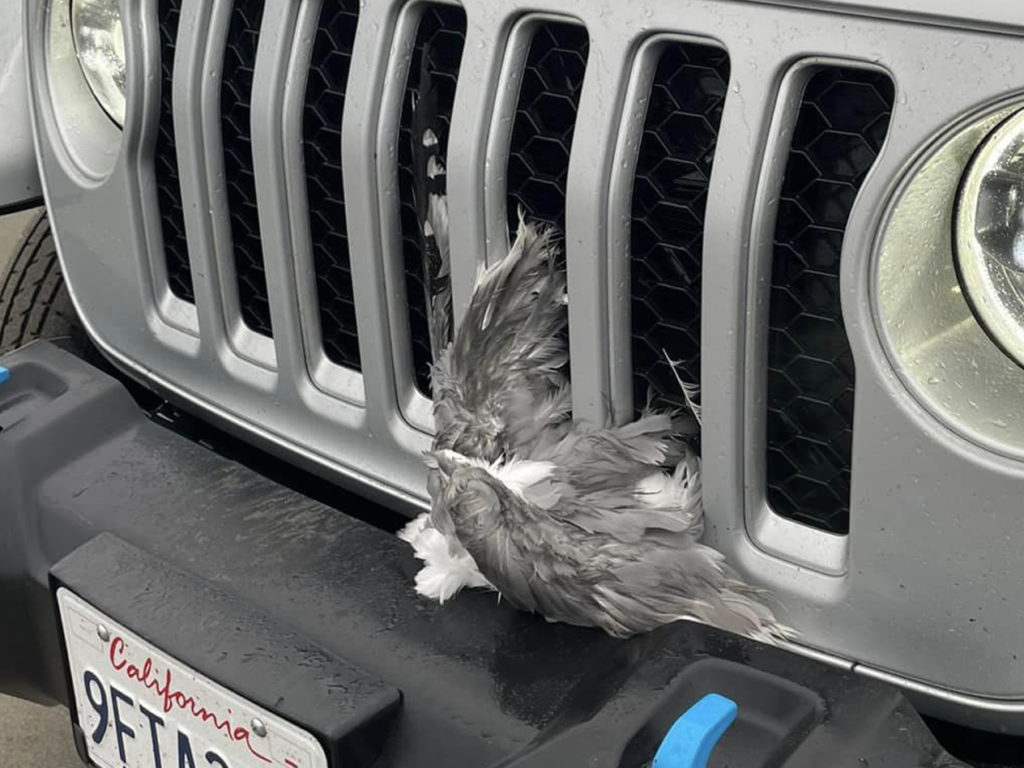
<point x="667" y="226"/>
<point x="235" y="100"/>
<point x="842" y="122"/>
<point x="545" y="119"/>
<point x="440" y="38"/>
<point x="165" y="162"/>
<point x="321" y="130"/>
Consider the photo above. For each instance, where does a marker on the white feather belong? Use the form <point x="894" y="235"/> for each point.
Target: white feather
<point x="443" y="573"/>
<point x="691" y="391"/>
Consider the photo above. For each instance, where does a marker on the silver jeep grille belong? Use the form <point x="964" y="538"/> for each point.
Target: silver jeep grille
<point x="244" y="245"/>
<point x="839" y="127"/>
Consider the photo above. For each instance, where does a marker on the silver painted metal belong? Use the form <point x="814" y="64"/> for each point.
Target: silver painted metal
<point x="413" y="404"/>
<point x="617" y="292"/>
<point x="19" y="177"/>
<point x="246" y="345"/>
<point x="143" y="53"/>
<point x="276" y="42"/>
<point x="588" y="224"/>
<point x="473" y="178"/>
<point x="934" y="515"/>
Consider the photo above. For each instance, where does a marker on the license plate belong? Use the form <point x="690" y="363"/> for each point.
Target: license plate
<point x="140" y="708"/>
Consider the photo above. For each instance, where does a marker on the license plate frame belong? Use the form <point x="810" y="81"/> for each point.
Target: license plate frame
<point x="163" y="706"/>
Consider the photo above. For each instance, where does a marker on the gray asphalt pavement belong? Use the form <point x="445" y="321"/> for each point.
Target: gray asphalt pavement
<point x="31" y="735"/>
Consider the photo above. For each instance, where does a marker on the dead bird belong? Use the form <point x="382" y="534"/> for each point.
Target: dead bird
<point x="604" y="559"/>
<point x="581" y="525"/>
<point x="584" y="526"/>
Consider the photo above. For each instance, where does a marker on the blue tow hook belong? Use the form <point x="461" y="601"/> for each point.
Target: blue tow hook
<point x="691" y="738"/>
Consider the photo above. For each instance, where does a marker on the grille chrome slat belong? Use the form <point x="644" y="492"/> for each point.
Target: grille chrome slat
<point x="619" y="342"/>
<point x="395" y="409"/>
<point x="278" y="38"/>
<point x="726" y="368"/>
<point x="252" y="355"/>
<point x="193" y="95"/>
<point x="470" y="207"/>
<point x="589" y="226"/>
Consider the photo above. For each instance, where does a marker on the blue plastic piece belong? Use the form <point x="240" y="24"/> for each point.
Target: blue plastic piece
<point x="691" y="738"/>
<point x="4" y="374"/>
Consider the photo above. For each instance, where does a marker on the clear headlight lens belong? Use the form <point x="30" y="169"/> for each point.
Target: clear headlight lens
<point x="989" y="235"/>
<point x="99" y="41"/>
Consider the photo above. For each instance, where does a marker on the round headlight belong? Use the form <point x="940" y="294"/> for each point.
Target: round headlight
<point x="99" y="42"/>
<point x="989" y="235"/>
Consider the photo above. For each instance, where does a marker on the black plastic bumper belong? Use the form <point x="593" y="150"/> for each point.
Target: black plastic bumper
<point x="217" y="565"/>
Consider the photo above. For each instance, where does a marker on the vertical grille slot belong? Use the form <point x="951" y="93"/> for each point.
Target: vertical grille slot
<point x="667" y="225"/>
<point x="842" y="122"/>
<point x="440" y="38"/>
<point x="235" y="102"/>
<point x="321" y="130"/>
<point x="165" y="162"/>
<point x="538" y="163"/>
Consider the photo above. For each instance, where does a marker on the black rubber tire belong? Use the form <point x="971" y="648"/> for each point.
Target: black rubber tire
<point x="34" y="300"/>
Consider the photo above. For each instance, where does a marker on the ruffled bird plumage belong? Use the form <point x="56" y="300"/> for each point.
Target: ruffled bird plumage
<point x="594" y="526"/>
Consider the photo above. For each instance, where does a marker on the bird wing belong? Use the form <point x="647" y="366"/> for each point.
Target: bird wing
<point x="501" y="387"/>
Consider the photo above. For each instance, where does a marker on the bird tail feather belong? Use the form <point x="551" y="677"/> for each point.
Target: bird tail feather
<point x="690" y="390"/>
<point x="727" y="602"/>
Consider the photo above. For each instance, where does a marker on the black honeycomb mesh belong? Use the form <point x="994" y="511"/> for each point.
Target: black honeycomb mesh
<point x="840" y="128"/>
<point x="440" y="38"/>
<point x="667" y="226"/>
<point x="165" y="162"/>
<point x="549" y="96"/>
<point x="321" y="130"/>
<point x="235" y="100"/>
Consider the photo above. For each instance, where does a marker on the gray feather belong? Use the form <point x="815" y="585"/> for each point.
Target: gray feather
<point x="500" y="387"/>
<point x="604" y="535"/>
<point x="590" y="526"/>
<point x="553" y="565"/>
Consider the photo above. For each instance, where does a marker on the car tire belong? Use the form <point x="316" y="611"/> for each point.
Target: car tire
<point x="34" y="299"/>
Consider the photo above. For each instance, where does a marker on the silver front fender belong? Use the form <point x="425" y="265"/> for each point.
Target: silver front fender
<point x="19" y="175"/>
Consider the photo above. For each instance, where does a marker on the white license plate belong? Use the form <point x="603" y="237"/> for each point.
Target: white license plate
<point x="140" y="708"/>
